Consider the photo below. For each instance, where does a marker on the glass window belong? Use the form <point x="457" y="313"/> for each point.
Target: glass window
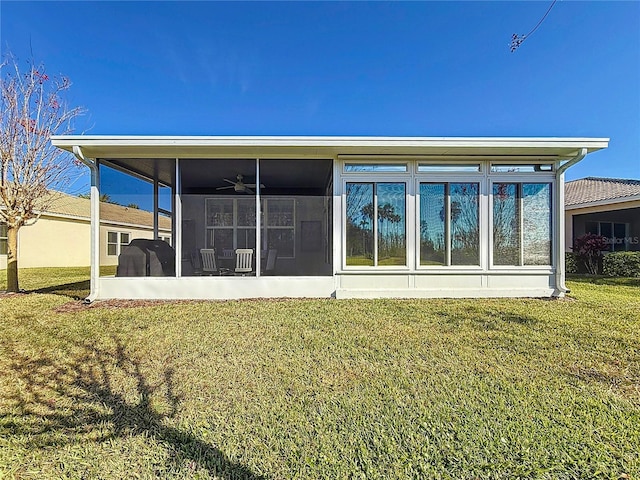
<point x="115" y="242"/>
<point x="521" y="168"/>
<point x="391" y="224"/>
<point x="246" y="212"/>
<point x="465" y="168"/>
<point x="506" y="224"/>
<point x="231" y="224"/>
<point x="465" y="225"/>
<point x="432" y="224"/>
<point x="591" y="227"/>
<point x="220" y="212"/>
<point x="449" y="224"/>
<point x="536" y="223"/>
<point x="376" y="217"/>
<point x="375" y="167"/>
<point x="521" y="223"/>
<point x="281" y="212"/>
<point x="616" y="233"/>
<point x="619" y="236"/>
<point x="3" y="239"/>
<point x="112" y="243"/>
<point x="359" y="223"/>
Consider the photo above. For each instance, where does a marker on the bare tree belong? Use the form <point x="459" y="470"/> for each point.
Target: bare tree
<point x="32" y="109"/>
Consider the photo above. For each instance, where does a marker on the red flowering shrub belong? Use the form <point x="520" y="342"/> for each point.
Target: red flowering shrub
<point x="589" y="248"/>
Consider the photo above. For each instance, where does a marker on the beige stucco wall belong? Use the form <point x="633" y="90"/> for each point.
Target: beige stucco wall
<point x="54" y="242"/>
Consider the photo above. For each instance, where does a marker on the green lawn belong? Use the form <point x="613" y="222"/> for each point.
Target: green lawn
<point x="319" y="388"/>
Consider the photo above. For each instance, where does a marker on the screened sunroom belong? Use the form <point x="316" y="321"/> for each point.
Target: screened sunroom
<point x="331" y="216"/>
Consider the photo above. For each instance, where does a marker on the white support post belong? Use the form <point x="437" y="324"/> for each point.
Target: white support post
<point x="558" y="237"/>
<point x="155" y="205"/>
<point x="258" y="220"/>
<point x="338" y="218"/>
<point x="177" y="216"/>
<point x="95" y="227"/>
<point x="447" y="223"/>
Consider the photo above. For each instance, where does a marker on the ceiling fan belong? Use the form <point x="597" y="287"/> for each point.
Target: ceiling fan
<point x="239" y="186"/>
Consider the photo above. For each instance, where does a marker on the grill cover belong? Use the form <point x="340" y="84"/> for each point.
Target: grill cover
<point x="146" y="258"/>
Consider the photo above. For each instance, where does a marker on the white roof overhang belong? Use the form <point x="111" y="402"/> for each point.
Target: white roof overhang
<point x="130" y="147"/>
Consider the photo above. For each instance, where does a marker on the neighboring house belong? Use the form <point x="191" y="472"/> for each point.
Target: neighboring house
<point x="604" y="206"/>
<point x="348" y="216"/>
<point x="61" y="237"/>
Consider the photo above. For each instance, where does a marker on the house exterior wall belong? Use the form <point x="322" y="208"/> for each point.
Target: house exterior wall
<point x="625" y="212"/>
<point x="54" y="242"/>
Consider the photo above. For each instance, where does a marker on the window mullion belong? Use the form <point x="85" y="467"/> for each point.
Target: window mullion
<point x="447" y="223"/>
<point x="521" y="221"/>
<point x="375" y="224"/>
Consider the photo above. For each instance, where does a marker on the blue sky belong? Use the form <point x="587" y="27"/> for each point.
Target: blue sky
<point x="338" y="68"/>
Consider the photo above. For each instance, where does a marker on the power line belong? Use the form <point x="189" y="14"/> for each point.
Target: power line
<point x="516" y="40"/>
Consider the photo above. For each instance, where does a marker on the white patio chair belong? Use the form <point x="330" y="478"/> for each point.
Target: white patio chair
<point x="209" y="266"/>
<point x="244" y="261"/>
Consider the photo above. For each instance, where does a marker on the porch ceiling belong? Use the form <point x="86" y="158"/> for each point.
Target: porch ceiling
<point x="131" y="147"/>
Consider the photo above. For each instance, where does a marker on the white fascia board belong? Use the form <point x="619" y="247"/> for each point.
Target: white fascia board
<point x="210" y="146"/>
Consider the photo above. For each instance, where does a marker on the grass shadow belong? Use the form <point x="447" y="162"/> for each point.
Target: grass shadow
<point x="484" y="318"/>
<point x="81" y="401"/>
<point x="75" y="290"/>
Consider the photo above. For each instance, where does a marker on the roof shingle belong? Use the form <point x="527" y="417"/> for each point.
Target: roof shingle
<point x="64" y="204"/>
<point x="595" y="189"/>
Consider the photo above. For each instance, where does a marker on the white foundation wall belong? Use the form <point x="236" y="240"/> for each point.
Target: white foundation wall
<point x="448" y="285"/>
<point x="214" y="288"/>
<point x="339" y="286"/>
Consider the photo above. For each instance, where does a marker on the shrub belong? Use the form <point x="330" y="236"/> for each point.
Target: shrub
<point x="571" y="262"/>
<point x="621" y="264"/>
<point x="589" y="248"/>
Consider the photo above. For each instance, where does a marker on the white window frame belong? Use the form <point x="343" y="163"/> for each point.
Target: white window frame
<point x="119" y="243"/>
<point x="375" y="178"/>
<point x="449" y="178"/>
<point x="263" y="223"/>
<point x="521" y="178"/>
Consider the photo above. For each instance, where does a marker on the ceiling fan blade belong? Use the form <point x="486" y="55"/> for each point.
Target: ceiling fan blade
<point x="229" y="181"/>
<point x="248" y="190"/>
<point x="253" y="185"/>
<point x="225" y="188"/>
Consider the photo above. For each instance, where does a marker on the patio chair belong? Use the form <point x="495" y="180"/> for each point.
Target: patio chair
<point x="196" y="262"/>
<point x="244" y="261"/>
<point x="209" y="266"/>
<point x="270" y="267"/>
